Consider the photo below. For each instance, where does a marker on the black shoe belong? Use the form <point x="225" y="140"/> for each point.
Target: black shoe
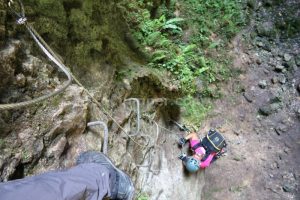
<point x="121" y="185"/>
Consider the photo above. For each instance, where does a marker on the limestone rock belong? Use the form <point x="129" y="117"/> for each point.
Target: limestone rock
<point x="199" y="85"/>
<point x="274" y="80"/>
<point x="31" y="65"/>
<point x="70" y="117"/>
<point x="249" y="96"/>
<point x="258" y="61"/>
<point x="20" y="80"/>
<point x="4" y="129"/>
<point x="287" y="57"/>
<point x="2" y="23"/>
<point x="32" y="147"/>
<point x="282" y="79"/>
<point x="279" y="68"/>
<point x="288" y="187"/>
<point x="291" y="64"/>
<point x="8" y="58"/>
<point x="269" y="109"/>
<point x="297" y="60"/>
<point x="266" y="29"/>
<point x="57" y="147"/>
<point x="121" y="115"/>
<point x="262" y="84"/>
<point x="280" y="129"/>
<point x="260" y="44"/>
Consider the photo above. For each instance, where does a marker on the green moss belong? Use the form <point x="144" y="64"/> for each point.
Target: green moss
<point x="56" y="100"/>
<point x="193" y="111"/>
<point x="49" y="27"/>
<point x="143" y="196"/>
<point x="211" y="25"/>
<point x="76" y="30"/>
<point x="52" y="9"/>
<point x="80" y="25"/>
<point x="50" y="21"/>
<point x="2" y="143"/>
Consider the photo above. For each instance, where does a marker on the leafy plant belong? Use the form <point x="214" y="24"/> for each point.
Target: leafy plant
<point x="193" y="111"/>
<point x="214" y="17"/>
<point x="214" y="23"/>
<point x="143" y="196"/>
<point x="172" y="24"/>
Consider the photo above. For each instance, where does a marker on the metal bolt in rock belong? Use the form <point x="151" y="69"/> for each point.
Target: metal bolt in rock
<point x="105" y="133"/>
<point x="137" y="114"/>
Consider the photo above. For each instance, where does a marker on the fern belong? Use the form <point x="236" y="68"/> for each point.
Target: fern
<point x="174" y="20"/>
<point x="153" y="38"/>
<point x="186" y="61"/>
<point x="189" y="48"/>
<point x="159" y="55"/>
<point x="172" y="27"/>
<point x="172" y="24"/>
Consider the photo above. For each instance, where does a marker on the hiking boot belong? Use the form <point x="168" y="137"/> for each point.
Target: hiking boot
<point x="120" y="183"/>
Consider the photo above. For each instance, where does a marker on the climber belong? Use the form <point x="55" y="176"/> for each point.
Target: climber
<point x="204" y="152"/>
<point x="93" y="178"/>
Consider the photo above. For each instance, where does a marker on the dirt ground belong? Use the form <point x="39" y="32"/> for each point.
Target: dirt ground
<point x="259" y="116"/>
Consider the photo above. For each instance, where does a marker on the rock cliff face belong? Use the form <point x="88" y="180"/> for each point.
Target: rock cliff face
<point x="2" y="23"/>
<point x="92" y="38"/>
<point x="94" y="41"/>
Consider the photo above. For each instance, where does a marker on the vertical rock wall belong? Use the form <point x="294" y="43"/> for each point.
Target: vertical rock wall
<point x="2" y="23"/>
<point x="91" y="37"/>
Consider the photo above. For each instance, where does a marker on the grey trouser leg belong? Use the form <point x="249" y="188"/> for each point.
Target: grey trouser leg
<point x="88" y="181"/>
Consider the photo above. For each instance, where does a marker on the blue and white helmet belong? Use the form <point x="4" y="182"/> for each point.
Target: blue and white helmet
<point x="192" y="164"/>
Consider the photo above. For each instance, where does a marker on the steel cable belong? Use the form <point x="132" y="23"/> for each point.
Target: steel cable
<point x="50" y="54"/>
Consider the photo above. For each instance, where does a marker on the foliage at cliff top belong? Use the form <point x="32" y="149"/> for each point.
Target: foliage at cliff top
<point x="180" y="35"/>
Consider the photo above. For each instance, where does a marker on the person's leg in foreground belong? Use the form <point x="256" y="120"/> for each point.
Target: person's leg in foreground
<point x="94" y="178"/>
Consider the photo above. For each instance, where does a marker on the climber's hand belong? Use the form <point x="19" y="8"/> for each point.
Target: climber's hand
<point x="182" y="156"/>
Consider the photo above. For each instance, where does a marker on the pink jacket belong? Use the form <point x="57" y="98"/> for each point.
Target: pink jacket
<point x="207" y="161"/>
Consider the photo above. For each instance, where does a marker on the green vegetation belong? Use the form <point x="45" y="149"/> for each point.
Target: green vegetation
<point x="25" y="155"/>
<point x="212" y="24"/>
<point x="215" y="21"/>
<point x="193" y="110"/>
<point x="2" y="143"/>
<point x="189" y="40"/>
<point x="237" y="188"/>
<point x="185" y="38"/>
<point x="143" y="196"/>
<point x="82" y="32"/>
<point x="51" y="20"/>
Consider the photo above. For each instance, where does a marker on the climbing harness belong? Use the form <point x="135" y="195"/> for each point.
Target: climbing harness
<point x="22" y="20"/>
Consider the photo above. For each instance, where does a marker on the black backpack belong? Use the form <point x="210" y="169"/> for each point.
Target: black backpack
<point x="214" y="142"/>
